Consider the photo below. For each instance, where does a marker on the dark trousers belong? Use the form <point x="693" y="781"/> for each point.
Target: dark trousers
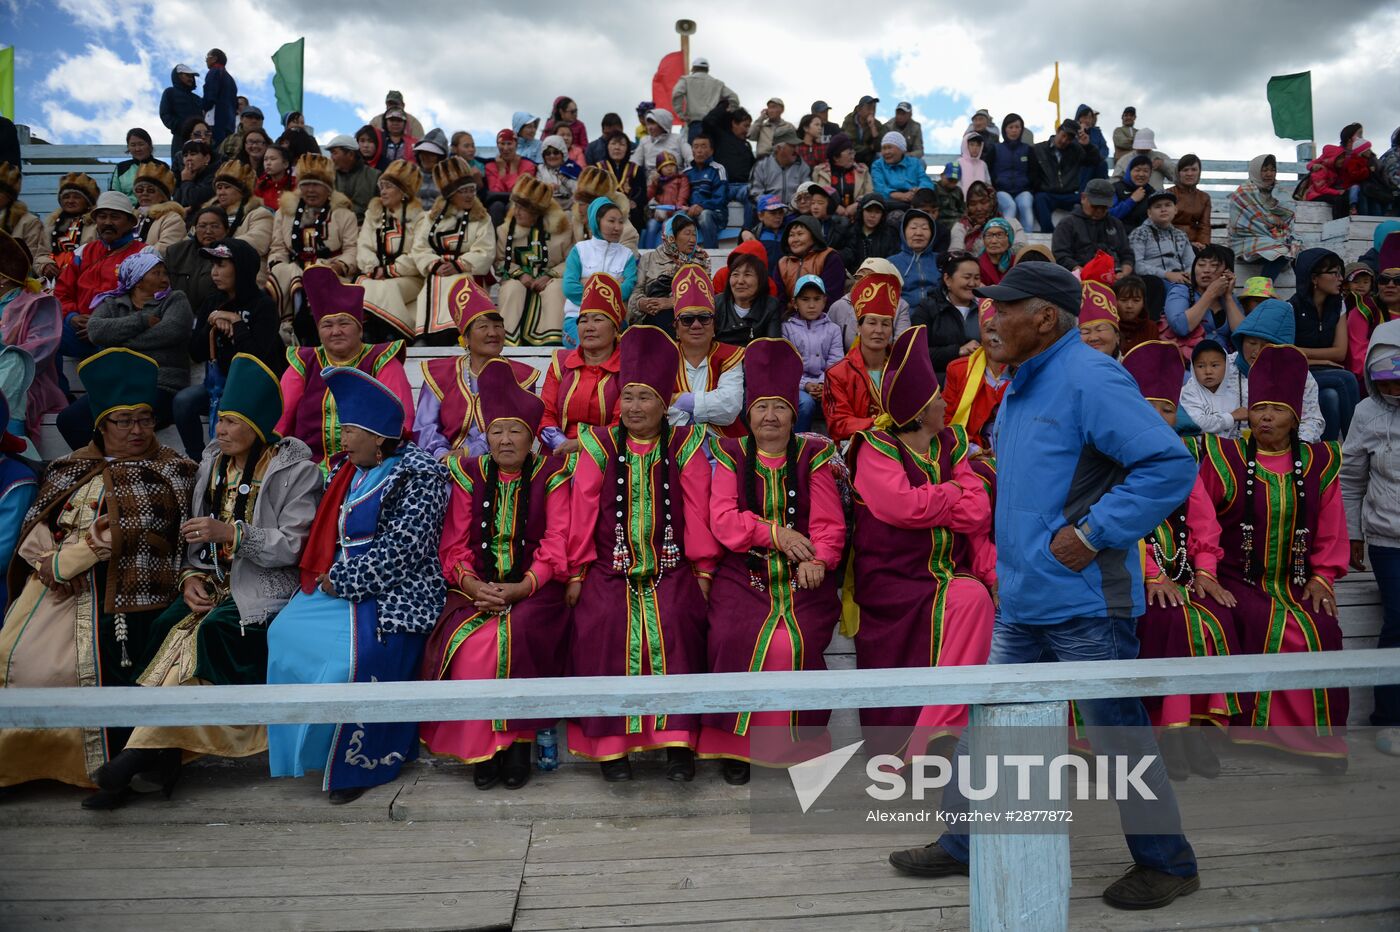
<point x="1385" y="561"/>
<point x="1337" y="396"/>
<point x="1046" y="203"/>
<point x="1115" y="726"/>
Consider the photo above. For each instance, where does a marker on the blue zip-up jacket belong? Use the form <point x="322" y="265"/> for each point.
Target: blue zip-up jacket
<point x="1011" y="167"/>
<point x="1078" y="444"/>
<point x="707" y="188"/>
<point x="909" y="174"/>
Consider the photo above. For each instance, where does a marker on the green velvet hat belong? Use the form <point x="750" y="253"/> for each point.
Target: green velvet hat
<point x="118" y="380"/>
<point x="253" y="394"/>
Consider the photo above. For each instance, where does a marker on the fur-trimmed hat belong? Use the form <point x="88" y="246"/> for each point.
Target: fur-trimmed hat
<point x="11" y="180"/>
<point x="237" y="174"/>
<point x="451" y="173"/>
<point x="158" y="174"/>
<point x="315" y="168"/>
<point x="594" y="182"/>
<point x="81" y="183"/>
<point x="403" y="175"/>
<point x="532" y="192"/>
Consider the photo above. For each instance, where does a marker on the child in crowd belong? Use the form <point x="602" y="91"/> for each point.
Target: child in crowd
<point x="818" y="340"/>
<point x="769" y="229"/>
<point x="1135" y="323"/>
<point x="1159" y="247"/>
<point x="1256" y="289"/>
<point x="949" y="196"/>
<point x="667" y="191"/>
<point x="1213" y="411"/>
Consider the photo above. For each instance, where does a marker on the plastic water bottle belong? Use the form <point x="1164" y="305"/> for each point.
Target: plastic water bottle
<point x="547" y="749"/>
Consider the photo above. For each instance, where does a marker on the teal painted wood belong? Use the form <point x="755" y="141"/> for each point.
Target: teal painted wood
<point x="692" y="693"/>
<point x="1019" y="883"/>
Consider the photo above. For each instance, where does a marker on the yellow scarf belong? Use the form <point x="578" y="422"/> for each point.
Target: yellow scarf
<point x="976" y="372"/>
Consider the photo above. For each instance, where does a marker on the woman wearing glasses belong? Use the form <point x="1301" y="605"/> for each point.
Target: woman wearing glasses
<point x="98" y="561"/>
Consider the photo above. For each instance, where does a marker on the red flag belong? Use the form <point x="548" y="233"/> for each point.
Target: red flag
<point x="668" y="72"/>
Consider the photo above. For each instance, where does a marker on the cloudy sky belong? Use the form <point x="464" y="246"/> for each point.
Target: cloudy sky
<point x="1195" y="69"/>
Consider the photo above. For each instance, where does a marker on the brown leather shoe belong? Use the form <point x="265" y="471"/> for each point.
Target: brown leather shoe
<point x="1144" y="888"/>
<point x="929" y="861"/>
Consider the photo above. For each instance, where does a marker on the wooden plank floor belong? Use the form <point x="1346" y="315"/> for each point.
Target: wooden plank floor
<point x="1280" y="847"/>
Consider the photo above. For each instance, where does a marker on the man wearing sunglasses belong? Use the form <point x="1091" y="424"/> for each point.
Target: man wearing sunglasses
<point x="713" y="389"/>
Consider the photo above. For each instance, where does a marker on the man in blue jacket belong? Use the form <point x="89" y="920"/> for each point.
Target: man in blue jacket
<point x="1085" y="470"/>
<point x="179" y="102"/>
<point x="220" y="95"/>
<point x="709" y="191"/>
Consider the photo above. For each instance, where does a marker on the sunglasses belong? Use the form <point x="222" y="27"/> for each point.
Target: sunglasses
<point x="1389" y="280"/>
<point x="690" y="320"/>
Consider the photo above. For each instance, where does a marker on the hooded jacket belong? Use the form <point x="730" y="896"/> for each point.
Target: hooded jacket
<point x="1272" y="322"/>
<point x="593" y="255"/>
<point x="1314" y="328"/>
<point x="644" y="155"/>
<point x="858" y="245"/>
<point x="1011" y="166"/>
<point x="1096" y="138"/>
<point x="1370" y="473"/>
<point x="820" y="260"/>
<point x="1079" y="237"/>
<point x="1079" y="446"/>
<point x="1060" y="175"/>
<point x="973" y="169"/>
<point x="918" y="269"/>
<point x="177" y="104"/>
<point x="531" y="149"/>
<point x="256" y="332"/>
<point x="948" y="330"/>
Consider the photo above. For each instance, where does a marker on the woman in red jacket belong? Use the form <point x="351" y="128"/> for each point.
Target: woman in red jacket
<point x="851" y="399"/>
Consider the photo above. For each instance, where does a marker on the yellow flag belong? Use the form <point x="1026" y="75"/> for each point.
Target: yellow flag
<point x="1054" y="97"/>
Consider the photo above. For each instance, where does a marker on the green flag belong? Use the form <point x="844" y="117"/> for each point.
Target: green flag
<point x="1290" y="99"/>
<point x="286" y="83"/>
<point x="7" y="82"/>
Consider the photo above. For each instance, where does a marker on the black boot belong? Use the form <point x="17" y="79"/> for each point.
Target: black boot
<point x="162" y="777"/>
<point x="118" y="772"/>
<point x="487" y="773"/>
<point x="736" y="772"/>
<point x="104" y="800"/>
<point x="680" y="765"/>
<point x="618" y="770"/>
<point x="1173" y="748"/>
<point x="515" y="770"/>
<point x="1200" y="755"/>
<point x="347" y="795"/>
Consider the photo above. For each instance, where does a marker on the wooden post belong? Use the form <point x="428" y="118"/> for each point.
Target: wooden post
<point x="1019" y="882"/>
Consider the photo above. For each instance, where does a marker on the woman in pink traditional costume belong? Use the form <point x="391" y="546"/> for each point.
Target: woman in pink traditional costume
<point x="642" y="557"/>
<point x="776" y="511"/>
<point x="1284" y="538"/>
<point x="922" y="558"/>
<point x="310" y="409"/>
<point x="1188" y="610"/>
<point x="504" y="553"/>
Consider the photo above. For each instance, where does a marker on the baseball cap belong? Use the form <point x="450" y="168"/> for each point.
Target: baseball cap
<point x="1132" y="110"/>
<point x="904" y="106"/>
<point x="805" y="280"/>
<point x="185" y="69"/>
<point x="1046" y="280"/>
<point x="770" y="202"/>
<point x="787" y="137"/>
<point x="820" y="106"/>
<point x="1099" y="192"/>
<point x="867" y="99"/>
<point x="701" y="62"/>
<point x="396" y="96"/>
<point x="396" y="113"/>
<point x="1156" y="196"/>
<point x="342" y="142"/>
<point x="777" y="100"/>
<point x="953" y="170"/>
<point x="983" y="112"/>
<point x="217" y="251"/>
<point x="251" y="112"/>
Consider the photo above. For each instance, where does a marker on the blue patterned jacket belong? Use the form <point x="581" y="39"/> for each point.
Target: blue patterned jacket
<point x="400" y="571"/>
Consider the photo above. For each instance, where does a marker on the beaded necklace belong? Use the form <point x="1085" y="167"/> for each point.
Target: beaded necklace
<point x="1299" y="548"/>
<point x="758" y="559"/>
<point x="386" y="226"/>
<point x="459" y="231"/>
<point x="1178" y="569"/>
<point x="318" y="248"/>
<point x="670" y="556"/>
